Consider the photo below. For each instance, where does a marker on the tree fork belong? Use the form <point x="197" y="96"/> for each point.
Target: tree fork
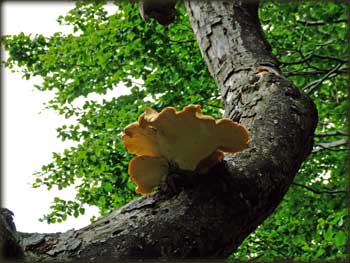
<point x="210" y="215"/>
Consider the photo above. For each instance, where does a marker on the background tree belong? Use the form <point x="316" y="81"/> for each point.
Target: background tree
<point x="163" y="66"/>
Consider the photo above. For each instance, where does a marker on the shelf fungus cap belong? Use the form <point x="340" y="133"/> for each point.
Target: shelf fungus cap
<point x="190" y="140"/>
<point x="147" y="172"/>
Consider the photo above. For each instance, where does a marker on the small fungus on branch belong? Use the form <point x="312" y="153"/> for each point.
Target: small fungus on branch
<point x="188" y="140"/>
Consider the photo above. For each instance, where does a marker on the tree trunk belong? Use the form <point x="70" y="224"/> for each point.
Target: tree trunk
<point x="209" y="216"/>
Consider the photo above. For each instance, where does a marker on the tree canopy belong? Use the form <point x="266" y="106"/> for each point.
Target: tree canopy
<point x="163" y="66"/>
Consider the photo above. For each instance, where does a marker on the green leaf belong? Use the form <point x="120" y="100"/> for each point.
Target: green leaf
<point x="340" y="239"/>
<point x="107" y="187"/>
<point x="329" y="234"/>
<point x="82" y="210"/>
<point x="320" y="252"/>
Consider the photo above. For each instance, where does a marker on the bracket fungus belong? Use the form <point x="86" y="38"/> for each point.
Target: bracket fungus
<point x="187" y="139"/>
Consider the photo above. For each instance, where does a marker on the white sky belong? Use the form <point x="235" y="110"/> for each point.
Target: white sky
<point x="29" y="137"/>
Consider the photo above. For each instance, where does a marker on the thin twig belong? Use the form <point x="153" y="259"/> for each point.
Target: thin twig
<point x="255" y="258"/>
<point x="318" y="191"/>
<point x="311" y="56"/>
<point x="268" y="247"/>
<point x="301" y="61"/>
<point x="340" y="60"/>
<point x="315" y="84"/>
<point x="320" y="23"/>
<point x="182" y="41"/>
<point x="301" y="39"/>
<point x="325" y="43"/>
<point x="312" y="73"/>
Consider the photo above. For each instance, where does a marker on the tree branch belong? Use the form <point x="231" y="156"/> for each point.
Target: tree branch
<point x="319" y="191"/>
<point x="333" y="133"/>
<point x="9" y="240"/>
<point x="320" y="23"/>
<point x="328" y="145"/>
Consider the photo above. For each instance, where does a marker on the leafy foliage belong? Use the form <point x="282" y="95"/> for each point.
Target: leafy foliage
<point x="162" y="66"/>
<point x="105" y="53"/>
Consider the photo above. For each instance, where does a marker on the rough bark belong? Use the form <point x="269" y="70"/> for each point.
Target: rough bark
<point x="210" y="215"/>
